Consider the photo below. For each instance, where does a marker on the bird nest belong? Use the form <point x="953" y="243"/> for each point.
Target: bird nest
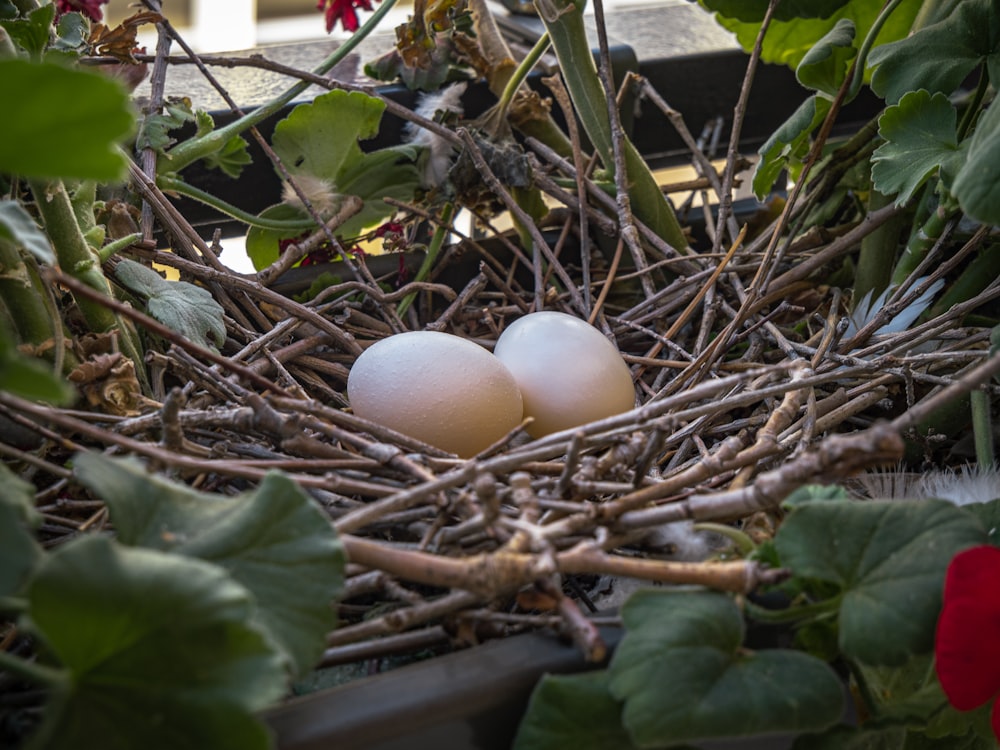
<point x="751" y="380"/>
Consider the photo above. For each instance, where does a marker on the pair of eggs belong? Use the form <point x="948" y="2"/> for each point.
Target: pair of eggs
<point x="455" y="395"/>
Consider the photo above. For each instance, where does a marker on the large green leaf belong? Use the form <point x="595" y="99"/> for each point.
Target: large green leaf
<point x="787" y="42"/>
<point x="321" y="137"/>
<point x="684" y="676"/>
<point x="753" y="10"/>
<point x="976" y="186"/>
<point x="920" y="138"/>
<point x="789" y="144"/>
<point x="888" y="561"/>
<point x="62" y="122"/>
<point x="825" y="66"/>
<point x="19" y="552"/>
<point x="573" y="711"/>
<point x="185" y="308"/>
<point x="158" y="650"/>
<point x="940" y="56"/>
<point x="273" y="540"/>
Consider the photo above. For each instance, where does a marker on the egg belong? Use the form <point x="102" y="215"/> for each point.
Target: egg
<point x="442" y="389"/>
<point x="568" y="372"/>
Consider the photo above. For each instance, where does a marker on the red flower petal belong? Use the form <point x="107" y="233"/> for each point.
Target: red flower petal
<point x="967" y="646"/>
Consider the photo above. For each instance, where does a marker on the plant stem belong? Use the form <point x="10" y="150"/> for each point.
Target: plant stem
<point x="924" y="237"/>
<point x="443" y="227"/>
<point x="32" y="671"/>
<point x="77" y="259"/>
<point x="191" y="150"/>
<point x="563" y="19"/>
<point x="521" y="72"/>
<point x="22" y="293"/>
<point x="878" y="251"/>
<point x="118" y="245"/>
<point x="866" y="46"/>
<point x="166" y="182"/>
<point x="982" y="428"/>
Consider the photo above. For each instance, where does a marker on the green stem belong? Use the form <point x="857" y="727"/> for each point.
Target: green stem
<point x="20" y="292"/>
<point x="521" y="73"/>
<point x="982" y="428"/>
<point x="32" y="671"/>
<point x="433" y="249"/>
<point x="924" y="237"/>
<point x="866" y="46"/>
<point x="77" y="259"/>
<point x="193" y="149"/>
<point x="973" y="107"/>
<point x="118" y="245"/>
<point x="563" y="19"/>
<point x="979" y="274"/>
<point x="878" y="250"/>
<point x="173" y="184"/>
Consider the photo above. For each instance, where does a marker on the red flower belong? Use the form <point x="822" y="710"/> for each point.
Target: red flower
<point x="90" y="8"/>
<point x="967" y="647"/>
<point x="343" y="10"/>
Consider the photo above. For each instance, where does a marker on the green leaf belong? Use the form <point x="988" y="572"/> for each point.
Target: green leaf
<point x="573" y="711"/>
<point x="975" y="185"/>
<point x="888" y="561"/>
<point x="920" y="138"/>
<point x="684" y="678"/>
<point x="72" y="31"/>
<point x="939" y="57"/>
<point x="19" y="552"/>
<point x="789" y="143"/>
<point x="78" y="138"/>
<point x="824" y="67"/>
<point x="320" y="138"/>
<point x="788" y="41"/>
<point x="262" y="244"/>
<point x="989" y="516"/>
<point x="157" y="648"/>
<point x="32" y="32"/>
<point x="154" y="130"/>
<point x="185" y="308"/>
<point x="232" y="156"/>
<point x="273" y="540"/>
<point x="753" y="10"/>
<point x="17" y="226"/>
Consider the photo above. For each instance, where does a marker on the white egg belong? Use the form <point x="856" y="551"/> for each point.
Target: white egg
<point x="438" y="388"/>
<point x="568" y="372"/>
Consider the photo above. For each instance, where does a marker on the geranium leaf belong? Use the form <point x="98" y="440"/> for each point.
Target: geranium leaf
<point x="887" y="560"/>
<point x="753" y="10"/>
<point x="788" y="143"/>
<point x="158" y="651"/>
<point x="989" y="515"/>
<point x="788" y="41"/>
<point x="17" y="226"/>
<point x="31" y="33"/>
<point x="185" y="308"/>
<point x="576" y="711"/>
<point x="262" y="244"/>
<point x="940" y="56"/>
<point x="920" y="138"/>
<point x="19" y="552"/>
<point x="825" y="66"/>
<point x="320" y="138"/>
<point x="79" y="138"/>
<point x="975" y="186"/>
<point x="691" y="640"/>
<point x="273" y="540"/>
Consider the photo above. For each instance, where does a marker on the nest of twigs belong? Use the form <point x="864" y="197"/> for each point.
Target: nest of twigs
<point x="746" y="385"/>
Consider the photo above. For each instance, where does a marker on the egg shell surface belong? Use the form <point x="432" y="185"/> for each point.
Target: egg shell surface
<point x="442" y="389"/>
<point x="568" y="372"/>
